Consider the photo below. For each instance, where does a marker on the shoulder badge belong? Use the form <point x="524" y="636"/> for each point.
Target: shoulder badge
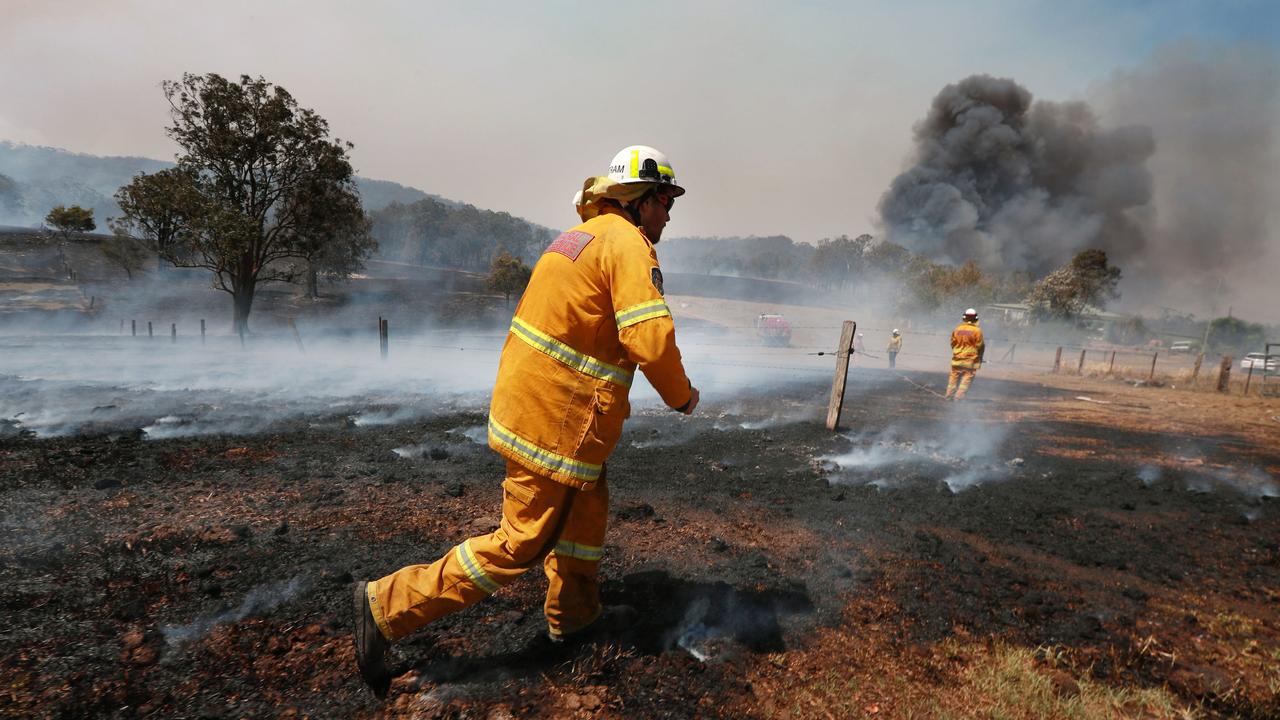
<point x="655" y="275"/>
<point x="570" y="244"/>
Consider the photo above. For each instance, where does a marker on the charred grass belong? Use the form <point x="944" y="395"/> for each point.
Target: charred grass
<point x="208" y="577"/>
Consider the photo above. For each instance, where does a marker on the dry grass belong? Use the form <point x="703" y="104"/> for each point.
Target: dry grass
<point x="996" y="681"/>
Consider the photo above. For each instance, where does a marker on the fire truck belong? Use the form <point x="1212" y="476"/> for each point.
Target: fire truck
<point x="773" y="330"/>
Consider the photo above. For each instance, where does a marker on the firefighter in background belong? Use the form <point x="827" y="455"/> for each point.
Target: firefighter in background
<point x="592" y="313"/>
<point x="967" y="348"/>
<point x="895" y="347"/>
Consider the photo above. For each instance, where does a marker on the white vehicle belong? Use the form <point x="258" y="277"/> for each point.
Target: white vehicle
<point x="1258" y="361"/>
<point x="1182" y="346"/>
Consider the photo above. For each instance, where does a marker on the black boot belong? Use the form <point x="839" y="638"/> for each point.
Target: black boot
<point x="371" y="645"/>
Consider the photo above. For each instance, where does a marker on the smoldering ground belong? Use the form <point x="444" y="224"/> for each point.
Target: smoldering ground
<point x="737" y="546"/>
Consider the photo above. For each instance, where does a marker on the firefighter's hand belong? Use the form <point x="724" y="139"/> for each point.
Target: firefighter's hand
<point x="688" y="407"/>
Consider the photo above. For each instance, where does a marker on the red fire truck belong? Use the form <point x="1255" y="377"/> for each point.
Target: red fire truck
<point x="773" y="330"/>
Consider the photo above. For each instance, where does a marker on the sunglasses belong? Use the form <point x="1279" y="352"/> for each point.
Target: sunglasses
<point x="667" y="201"/>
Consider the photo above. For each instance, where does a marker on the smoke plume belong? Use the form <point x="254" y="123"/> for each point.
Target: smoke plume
<point x="1018" y="185"/>
<point x="1213" y="112"/>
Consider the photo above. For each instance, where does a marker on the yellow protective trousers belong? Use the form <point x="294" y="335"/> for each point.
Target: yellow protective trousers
<point x="542" y="520"/>
<point x="958" y="383"/>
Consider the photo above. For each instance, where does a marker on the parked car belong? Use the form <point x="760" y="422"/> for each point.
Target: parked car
<point x="1259" y="361"/>
<point x="1182" y="346"/>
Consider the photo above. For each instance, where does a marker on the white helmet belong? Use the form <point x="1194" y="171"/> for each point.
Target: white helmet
<point x="577" y="199"/>
<point x="970" y="314"/>
<point x="895" y="331"/>
<point x="643" y="164"/>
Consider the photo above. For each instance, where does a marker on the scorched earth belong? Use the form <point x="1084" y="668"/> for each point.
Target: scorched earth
<point x="1024" y="554"/>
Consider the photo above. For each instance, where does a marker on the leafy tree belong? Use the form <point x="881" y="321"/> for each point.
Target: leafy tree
<point x="887" y="257"/>
<point x="251" y="169"/>
<point x="836" y="263"/>
<point x="69" y="222"/>
<point x="1233" y="335"/>
<point x="159" y="207"/>
<point x="10" y="194"/>
<point x="339" y="236"/>
<point x="1085" y="281"/>
<point x="508" y="275"/>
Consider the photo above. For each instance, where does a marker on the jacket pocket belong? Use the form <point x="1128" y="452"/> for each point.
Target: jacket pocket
<point x="608" y="411"/>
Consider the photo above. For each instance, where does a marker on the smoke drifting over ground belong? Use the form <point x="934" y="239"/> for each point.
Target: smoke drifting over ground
<point x="158" y="388"/>
<point x="1213" y="112"/>
<point x="1018" y="185"/>
<point x="959" y="453"/>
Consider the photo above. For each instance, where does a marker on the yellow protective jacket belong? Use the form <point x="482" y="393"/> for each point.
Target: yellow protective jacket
<point x="895" y="344"/>
<point x="967" y="345"/>
<point x="592" y="313"/>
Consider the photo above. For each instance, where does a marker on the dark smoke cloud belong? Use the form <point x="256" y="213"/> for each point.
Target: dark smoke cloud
<point x="1214" y="112"/>
<point x="1016" y="184"/>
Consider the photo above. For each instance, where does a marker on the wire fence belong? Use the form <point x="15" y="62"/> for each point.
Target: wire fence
<point x="721" y="347"/>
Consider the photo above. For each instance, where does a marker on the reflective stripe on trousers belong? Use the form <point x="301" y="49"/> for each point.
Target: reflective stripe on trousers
<point x="542" y="520"/>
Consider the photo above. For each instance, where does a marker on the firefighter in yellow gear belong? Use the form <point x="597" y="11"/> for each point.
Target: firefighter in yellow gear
<point x="592" y="314"/>
<point x="895" y="347"/>
<point x="967" y="348"/>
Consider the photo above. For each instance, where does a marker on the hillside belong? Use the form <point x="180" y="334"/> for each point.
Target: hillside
<point x="33" y="179"/>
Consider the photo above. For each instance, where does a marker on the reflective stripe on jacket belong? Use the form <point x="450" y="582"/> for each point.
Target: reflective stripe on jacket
<point x="967" y="345"/>
<point x="593" y="312"/>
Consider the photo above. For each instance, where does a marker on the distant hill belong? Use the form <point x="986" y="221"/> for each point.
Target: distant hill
<point x="34" y="179"/>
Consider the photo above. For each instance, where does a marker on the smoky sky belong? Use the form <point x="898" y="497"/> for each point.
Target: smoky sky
<point x="1019" y="184"/>
<point x="1214" y="238"/>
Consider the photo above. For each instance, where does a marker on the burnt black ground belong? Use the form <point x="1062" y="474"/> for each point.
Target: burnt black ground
<point x="738" y="540"/>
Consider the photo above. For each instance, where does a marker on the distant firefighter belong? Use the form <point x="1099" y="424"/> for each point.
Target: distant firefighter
<point x="895" y="347"/>
<point x="967" y="348"/>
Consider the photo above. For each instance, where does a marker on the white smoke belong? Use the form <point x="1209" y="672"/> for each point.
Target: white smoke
<point x="258" y="601"/>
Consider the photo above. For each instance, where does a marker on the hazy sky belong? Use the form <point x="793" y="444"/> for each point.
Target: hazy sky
<point x="788" y="117"/>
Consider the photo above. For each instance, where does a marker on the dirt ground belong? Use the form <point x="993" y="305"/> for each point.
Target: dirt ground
<point x="1027" y="553"/>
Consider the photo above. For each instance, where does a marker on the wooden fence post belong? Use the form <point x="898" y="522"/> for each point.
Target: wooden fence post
<point x="1152" y="375"/>
<point x="1195" y="372"/>
<point x="384" y="337"/>
<point x="173" y="333"/>
<point x="1224" y="373"/>
<point x="1080" y="365"/>
<point x="201" y="331"/>
<point x="149" y="332"/>
<point x="836" y="404"/>
<point x="1249" y="378"/>
<point x="1112" y="367"/>
<point x="1057" y="361"/>
<point x="133" y="327"/>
